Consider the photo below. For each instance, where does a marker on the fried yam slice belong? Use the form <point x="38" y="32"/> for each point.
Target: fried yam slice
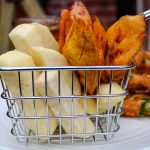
<point x="122" y="42"/>
<point x="139" y="82"/>
<point x="81" y="46"/>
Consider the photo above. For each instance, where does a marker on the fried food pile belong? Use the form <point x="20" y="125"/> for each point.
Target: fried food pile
<point x="139" y="87"/>
<point x="86" y="43"/>
<point x="83" y="41"/>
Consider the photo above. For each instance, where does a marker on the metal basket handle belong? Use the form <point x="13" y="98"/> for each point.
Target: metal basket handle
<point x="147" y="14"/>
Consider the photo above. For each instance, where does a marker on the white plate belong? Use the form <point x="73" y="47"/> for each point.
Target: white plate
<point x="134" y="134"/>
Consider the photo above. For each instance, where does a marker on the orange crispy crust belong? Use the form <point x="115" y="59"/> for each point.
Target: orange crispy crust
<point x="81" y="47"/>
<point x="82" y="52"/>
<point x="142" y="61"/>
<point x="122" y="41"/>
<point x="139" y="82"/>
<point x="132" y="108"/>
<point x="132" y="105"/>
<point x="64" y="22"/>
<point x="98" y="29"/>
<point x="99" y="32"/>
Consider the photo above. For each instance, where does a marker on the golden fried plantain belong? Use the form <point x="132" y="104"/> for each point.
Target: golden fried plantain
<point x="99" y="32"/>
<point x="122" y="41"/>
<point x="65" y="24"/>
<point x="81" y="46"/>
<point x="98" y="29"/>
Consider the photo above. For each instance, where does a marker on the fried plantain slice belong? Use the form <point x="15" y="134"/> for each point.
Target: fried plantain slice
<point x="98" y="29"/>
<point x="80" y="50"/>
<point x="99" y="32"/>
<point x="122" y="41"/>
<point x="65" y="24"/>
<point x="81" y="47"/>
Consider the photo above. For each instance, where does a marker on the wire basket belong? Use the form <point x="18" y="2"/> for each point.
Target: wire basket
<point x="27" y="128"/>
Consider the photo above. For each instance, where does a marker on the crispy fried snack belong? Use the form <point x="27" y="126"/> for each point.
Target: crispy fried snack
<point x="65" y="24"/>
<point x="99" y="32"/>
<point x="82" y="45"/>
<point x="122" y="41"/>
<point x="139" y="82"/>
<point x="98" y="29"/>
<point x="142" y="61"/>
<point x="132" y="105"/>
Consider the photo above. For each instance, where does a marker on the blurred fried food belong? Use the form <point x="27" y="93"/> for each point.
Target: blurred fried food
<point x="142" y="61"/>
<point x="82" y="43"/>
<point x="122" y="41"/>
<point x="139" y="83"/>
<point x="133" y="105"/>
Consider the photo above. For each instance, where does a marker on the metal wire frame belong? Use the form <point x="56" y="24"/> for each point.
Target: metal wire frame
<point x="147" y="14"/>
<point x="106" y="124"/>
